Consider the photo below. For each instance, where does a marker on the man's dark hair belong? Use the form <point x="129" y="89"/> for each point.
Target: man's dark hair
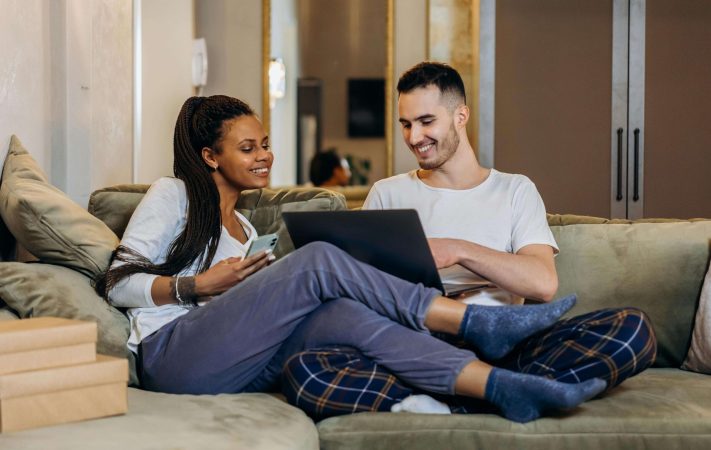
<point x="322" y="166"/>
<point x="424" y="74"/>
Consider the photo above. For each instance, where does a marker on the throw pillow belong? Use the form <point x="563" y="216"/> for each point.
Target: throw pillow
<point x="46" y="222"/>
<point x="7" y="314"/>
<point x="7" y="241"/>
<point x="39" y="290"/>
<point x="699" y="357"/>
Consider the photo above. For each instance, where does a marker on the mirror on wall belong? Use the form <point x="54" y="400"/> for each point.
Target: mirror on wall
<point x="336" y="53"/>
<point x="328" y="72"/>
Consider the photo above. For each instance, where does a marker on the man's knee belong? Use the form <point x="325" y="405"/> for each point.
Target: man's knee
<point x="642" y="337"/>
<point x="630" y="331"/>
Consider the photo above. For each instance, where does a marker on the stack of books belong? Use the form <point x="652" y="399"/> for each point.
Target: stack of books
<point x="50" y="373"/>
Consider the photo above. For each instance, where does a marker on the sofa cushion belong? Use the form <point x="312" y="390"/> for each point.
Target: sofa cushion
<point x="657" y="267"/>
<point x="114" y="206"/>
<point x="166" y="421"/>
<point x="263" y="209"/>
<point x="46" y="222"/>
<point x="699" y="357"/>
<point x="7" y="313"/>
<point x="39" y="290"/>
<point x="658" y="409"/>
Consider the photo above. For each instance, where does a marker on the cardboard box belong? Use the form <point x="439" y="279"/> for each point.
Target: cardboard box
<point x="42" y="342"/>
<point x="47" y="357"/>
<point x="63" y="394"/>
<point x="44" y="332"/>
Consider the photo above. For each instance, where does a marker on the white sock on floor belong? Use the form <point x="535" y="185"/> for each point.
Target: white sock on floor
<point x="421" y="404"/>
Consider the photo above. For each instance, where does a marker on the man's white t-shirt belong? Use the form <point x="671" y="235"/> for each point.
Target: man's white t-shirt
<point x="504" y="213"/>
<point x="155" y="224"/>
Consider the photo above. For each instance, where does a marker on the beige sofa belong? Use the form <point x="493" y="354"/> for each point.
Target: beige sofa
<point x="657" y="266"/>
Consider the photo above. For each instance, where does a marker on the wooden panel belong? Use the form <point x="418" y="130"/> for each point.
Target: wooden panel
<point x="553" y="99"/>
<point x="451" y="40"/>
<point x="677" y="153"/>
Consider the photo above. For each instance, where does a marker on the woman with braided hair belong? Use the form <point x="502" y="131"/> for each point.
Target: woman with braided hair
<point x="185" y="246"/>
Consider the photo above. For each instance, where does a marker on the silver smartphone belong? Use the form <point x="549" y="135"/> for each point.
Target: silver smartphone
<point x="266" y="242"/>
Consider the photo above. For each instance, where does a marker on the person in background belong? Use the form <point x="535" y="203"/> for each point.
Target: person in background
<point x="329" y="169"/>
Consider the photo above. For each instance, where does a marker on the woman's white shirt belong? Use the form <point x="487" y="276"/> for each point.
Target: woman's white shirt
<point x="155" y="224"/>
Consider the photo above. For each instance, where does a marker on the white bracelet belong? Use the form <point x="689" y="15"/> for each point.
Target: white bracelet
<point x="177" y="294"/>
<point x="188" y="304"/>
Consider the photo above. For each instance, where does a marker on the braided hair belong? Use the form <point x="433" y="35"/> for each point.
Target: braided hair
<point x="200" y="124"/>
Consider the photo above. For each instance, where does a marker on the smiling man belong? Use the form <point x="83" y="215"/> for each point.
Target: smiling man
<point x="480" y="223"/>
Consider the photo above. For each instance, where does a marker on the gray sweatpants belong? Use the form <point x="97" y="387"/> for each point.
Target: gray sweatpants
<point x="240" y="340"/>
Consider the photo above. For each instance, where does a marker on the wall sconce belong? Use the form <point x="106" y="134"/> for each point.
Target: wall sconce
<point x="277" y="80"/>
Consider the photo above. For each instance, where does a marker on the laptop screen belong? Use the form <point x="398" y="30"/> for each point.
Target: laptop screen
<point x="390" y="240"/>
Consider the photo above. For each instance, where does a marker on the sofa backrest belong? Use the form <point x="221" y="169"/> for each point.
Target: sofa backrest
<point x="655" y="265"/>
<point x="263" y="207"/>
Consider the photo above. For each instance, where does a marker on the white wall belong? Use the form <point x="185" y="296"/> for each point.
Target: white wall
<point x="284" y="45"/>
<point x="410" y="49"/>
<point x="24" y="77"/>
<point x="111" y="124"/>
<point x="167" y="30"/>
<point x="65" y="89"/>
<point x="233" y="31"/>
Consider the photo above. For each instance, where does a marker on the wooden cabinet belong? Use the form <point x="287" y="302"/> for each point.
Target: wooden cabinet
<point x="605" y="104"/>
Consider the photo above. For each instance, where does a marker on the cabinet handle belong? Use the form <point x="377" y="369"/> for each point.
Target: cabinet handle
<point x="635" y="197"/>
<point x="619" y="163"/>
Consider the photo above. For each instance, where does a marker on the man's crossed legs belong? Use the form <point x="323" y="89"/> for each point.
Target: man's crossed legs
<point x="611" y="344"/>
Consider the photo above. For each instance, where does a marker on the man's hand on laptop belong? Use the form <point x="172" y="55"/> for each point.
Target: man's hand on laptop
<point x="445" y="251"/>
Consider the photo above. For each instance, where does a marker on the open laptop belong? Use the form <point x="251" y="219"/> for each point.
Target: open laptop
<point x="391" y="240"/>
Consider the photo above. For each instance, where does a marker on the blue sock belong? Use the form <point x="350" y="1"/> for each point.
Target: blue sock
<point x="523" y="398"/>
<point x="496" y="330"/>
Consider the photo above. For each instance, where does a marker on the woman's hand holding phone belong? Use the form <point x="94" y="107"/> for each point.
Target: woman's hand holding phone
<point x="231" y="271"/>
<point x="228" y="272"/>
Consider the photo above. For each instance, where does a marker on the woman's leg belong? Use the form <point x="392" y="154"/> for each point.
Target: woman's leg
<point x="222" y="346"/>
<point x="419" y="360"/>
<point x="326" y="272"/>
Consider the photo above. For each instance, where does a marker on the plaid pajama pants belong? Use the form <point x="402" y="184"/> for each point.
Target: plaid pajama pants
<point x="612" y="344"/>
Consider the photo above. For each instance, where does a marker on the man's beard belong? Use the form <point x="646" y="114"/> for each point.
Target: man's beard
<point x="445" y="150"/>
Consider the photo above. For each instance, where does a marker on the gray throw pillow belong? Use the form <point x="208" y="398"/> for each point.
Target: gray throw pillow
<point x="699" y="357"/>
<point x="40" y="290"/>
<point x="47" y="222"/>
